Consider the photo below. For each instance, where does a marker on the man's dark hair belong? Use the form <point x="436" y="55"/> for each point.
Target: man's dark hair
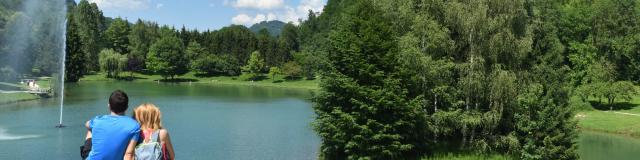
<point x="118" y="101"/>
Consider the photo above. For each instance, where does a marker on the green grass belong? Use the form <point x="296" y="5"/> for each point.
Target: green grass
<point x="16" y="97"/>
<point x="609" y="122"/>
<point x="467" y="156"/>
<point x="225" y="80"/>
<point x="600" y="119"/>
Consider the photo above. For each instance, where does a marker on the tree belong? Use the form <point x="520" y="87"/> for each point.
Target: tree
<point x="112" y="62"/>
<point x="117" y="35"/>
<point x="268" y="48"/>
<point x="624" y="90"/>
<point x="363" y="111"/>
<point x="310" y="63"/>
<point x="273" y="72"/>
<point x="235" y="40"/>
<point x="292" y="70"/>
<point x="254" y="65"/>
<point x="541" y="113"/>
<point x="75" y="60"/>
<point x="195" y="51"/>
<point x="289" y="42"/>
<point x="166" y="57"/>
<point x="216" y="65"/>
<point x="90" y="23"/>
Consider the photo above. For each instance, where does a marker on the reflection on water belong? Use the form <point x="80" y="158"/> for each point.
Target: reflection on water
<point x="205" y="121"/>
<point x="602" y="146"/>
<point x="4" y="136"/>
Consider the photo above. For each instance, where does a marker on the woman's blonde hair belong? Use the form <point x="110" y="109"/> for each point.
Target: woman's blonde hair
<point x="149" y="116"/>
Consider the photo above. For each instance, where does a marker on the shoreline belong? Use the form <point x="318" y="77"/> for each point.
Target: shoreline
<point x="628" y="135"/>
<point x="24" y="98"/>
<point x="254" y="84"/>
<point x="215" y="80"/>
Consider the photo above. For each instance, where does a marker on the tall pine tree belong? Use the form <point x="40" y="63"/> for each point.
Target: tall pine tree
<point x="363" y="111"/>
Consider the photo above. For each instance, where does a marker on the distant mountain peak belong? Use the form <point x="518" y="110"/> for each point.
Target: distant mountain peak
<point x="274" y="27"/>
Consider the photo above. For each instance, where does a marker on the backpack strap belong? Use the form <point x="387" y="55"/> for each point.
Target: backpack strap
<point x="155" y="136"/>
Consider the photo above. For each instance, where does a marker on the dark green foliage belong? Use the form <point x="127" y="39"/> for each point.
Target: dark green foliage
<point x="289" y="38"/>
<point x="91" y="27"/>
<point x="363" y="111"/>
<point x="274" y="28"/>
<point x="235" y="40"/>
<point x="117" y="36"/>
<point x="166" y="56"/>
<point x="545" y="123"/>
<point x="216" y="65"/>
<point x="75" y="60"/>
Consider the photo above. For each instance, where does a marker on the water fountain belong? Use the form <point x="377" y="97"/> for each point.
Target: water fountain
<point x="33" y="45"/>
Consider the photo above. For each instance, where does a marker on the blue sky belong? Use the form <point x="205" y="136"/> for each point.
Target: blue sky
<point x="209" y="14"/>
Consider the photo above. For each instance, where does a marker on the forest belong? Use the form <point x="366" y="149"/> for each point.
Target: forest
<point x="400" y="79"/>
<point x="407" y="79"/>
<point x="117" y="45"/>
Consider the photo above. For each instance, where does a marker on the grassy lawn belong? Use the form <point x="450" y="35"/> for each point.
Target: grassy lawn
<point x="468" y="156"/>
<point x="603" y="121"/>
<point x="600" y="119"/>
<point x="16" y="97"/>
<point x="226" y="80"/>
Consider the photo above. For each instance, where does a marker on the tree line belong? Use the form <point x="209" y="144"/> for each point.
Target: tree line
<point x="20" y="30"/>
<point x="117" y="45"/>
<point x="405" y="79"/>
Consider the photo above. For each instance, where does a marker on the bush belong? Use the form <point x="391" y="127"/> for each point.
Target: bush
<point x="292" y="70"/>
<point x="248" y="77"/>
<point x="216" y="65"/>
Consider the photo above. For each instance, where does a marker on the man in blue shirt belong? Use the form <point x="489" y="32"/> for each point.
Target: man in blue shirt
<point x="111" y="134"/>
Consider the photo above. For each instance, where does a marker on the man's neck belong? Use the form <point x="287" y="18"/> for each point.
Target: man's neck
<point x="117" y="114"/>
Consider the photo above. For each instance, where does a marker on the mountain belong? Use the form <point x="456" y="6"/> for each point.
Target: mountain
<point x="274" y="27"/>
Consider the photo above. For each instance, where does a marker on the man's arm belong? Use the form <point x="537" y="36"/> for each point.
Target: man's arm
<point x="88" y="130"/>
<point x="129" y="153"/>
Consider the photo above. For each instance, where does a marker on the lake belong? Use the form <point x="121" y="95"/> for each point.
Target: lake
<point x="204" y="121"/>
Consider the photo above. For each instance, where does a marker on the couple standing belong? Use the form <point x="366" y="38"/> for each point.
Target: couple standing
<point x="117" y="136"/>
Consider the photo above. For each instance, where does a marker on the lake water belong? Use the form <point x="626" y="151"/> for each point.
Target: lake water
<point x="205" y="121"/>
<point x="602" y="146"/>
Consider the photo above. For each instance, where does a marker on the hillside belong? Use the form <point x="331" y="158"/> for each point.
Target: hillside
<point x="274" y="27"/>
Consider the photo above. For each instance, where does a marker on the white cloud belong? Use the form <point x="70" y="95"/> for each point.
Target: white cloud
<point x="241" y="19"/>
<point x="122" y="4"/>
<point x="301" y="11"/>
<point x="285" y="13"/>
<point x="259" y="4"/>
<point x="159" y="5"/>
<point x="244" y="19"/>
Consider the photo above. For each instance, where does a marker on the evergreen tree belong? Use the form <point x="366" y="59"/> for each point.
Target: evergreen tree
<point x="75" y="60"/>
<point x="117" y="36"/>
<point x="363" y="111"/>
<point x="90" y="23"/>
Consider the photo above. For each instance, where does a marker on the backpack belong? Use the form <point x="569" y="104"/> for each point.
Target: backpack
<point x="150" y="150"/>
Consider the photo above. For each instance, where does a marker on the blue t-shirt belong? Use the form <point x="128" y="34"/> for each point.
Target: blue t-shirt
<point x="111" y="135"/>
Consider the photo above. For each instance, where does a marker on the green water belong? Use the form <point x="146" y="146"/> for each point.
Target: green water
<point x="602" y="146"/>
<point x="205" y="121"/>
